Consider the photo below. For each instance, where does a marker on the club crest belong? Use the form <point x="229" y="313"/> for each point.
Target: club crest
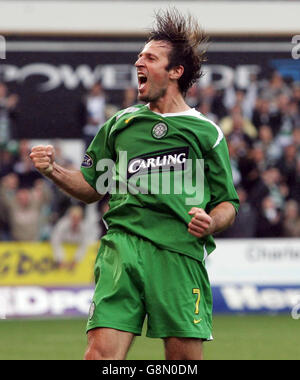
<point x="159" y="130"/>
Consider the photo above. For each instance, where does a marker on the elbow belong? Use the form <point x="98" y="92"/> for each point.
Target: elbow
<point x="234" y="214"/>
<point x="88" y="201"/>
<point x="232" y="220"/>
<point x="92" y="199"/>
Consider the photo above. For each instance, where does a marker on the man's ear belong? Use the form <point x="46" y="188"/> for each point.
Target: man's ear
<point x="176" y="72"/>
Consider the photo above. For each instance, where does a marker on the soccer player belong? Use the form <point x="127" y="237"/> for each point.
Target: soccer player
<point x="171" y="190"/>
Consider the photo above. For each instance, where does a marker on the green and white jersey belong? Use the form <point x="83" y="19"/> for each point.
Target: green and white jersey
<point x="159" y="166"/>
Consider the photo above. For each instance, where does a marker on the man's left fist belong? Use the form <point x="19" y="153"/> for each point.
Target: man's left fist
<point x="201" y="224"/>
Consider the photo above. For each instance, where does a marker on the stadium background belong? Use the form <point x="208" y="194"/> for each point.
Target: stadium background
<point x="251" y="88"/>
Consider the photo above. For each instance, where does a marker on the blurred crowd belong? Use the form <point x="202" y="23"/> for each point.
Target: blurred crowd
<point x="262" y="128"/>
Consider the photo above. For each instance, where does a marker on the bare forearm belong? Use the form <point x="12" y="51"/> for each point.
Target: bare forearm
<point x="203" y="224"/>
<point x="73" y="183"/>
<point x="70" y="181"/>
<point x="223" y="216"/>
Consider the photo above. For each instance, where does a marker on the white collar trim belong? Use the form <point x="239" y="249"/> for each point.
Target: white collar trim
<point x="190" y="112"/>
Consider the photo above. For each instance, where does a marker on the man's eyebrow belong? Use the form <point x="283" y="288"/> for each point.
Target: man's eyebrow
<point x="147" y="54"/>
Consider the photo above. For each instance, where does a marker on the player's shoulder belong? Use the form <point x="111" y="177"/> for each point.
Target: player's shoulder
<point x="129" y="110"/>
<point x="117" y="120"/>
<point x="203" y="126"/>
<point x="200" y="119"/>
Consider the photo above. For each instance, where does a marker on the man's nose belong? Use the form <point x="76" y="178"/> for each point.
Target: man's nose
<point x="139" y="62"/>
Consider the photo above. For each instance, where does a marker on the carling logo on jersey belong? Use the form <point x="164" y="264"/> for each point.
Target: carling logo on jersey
<point x="157" y="161"/>
<point x="157" y="173"/>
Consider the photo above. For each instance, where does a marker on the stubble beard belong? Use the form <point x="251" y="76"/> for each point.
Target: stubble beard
<point x="152" y="98"/>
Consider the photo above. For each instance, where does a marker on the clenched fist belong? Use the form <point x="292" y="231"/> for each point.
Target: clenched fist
<point x="201" y="224"/>
<point x="43" y="158"/>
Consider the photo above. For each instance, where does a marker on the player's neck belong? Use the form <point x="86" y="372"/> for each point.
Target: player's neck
<point x="169" y="104"/>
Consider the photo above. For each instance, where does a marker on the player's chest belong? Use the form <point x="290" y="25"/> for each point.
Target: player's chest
<point x="153" y="136"/>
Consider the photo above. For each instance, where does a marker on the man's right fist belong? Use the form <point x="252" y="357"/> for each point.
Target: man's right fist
<point x="43" y="158"/>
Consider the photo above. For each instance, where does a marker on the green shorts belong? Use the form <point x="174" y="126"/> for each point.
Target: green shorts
<point x="135" y="279"/>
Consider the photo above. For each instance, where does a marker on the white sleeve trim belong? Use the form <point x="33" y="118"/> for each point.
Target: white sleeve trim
<point x="220" y="136"/>
<point x="205" y="253"/>
<point x="220" y="132"/>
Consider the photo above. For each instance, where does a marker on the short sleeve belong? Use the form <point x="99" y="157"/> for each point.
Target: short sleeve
<point x="219" y="176"/>
<point x="101" y="148"/>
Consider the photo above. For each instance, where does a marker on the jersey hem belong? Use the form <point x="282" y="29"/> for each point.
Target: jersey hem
<point x="161" y="246"/>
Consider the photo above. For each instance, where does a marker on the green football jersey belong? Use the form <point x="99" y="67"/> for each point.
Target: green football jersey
<point x="156" y="168"/>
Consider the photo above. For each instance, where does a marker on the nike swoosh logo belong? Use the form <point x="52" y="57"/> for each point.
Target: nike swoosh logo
<point x="197" y="321"/>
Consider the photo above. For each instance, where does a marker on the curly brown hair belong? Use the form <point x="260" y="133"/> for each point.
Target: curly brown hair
<point x="187" y="40"/>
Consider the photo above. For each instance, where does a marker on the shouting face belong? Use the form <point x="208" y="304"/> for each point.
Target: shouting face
<point x="153" y="76"/>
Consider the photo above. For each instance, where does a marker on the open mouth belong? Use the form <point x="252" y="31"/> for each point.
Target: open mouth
<point x="142" y="79"/>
